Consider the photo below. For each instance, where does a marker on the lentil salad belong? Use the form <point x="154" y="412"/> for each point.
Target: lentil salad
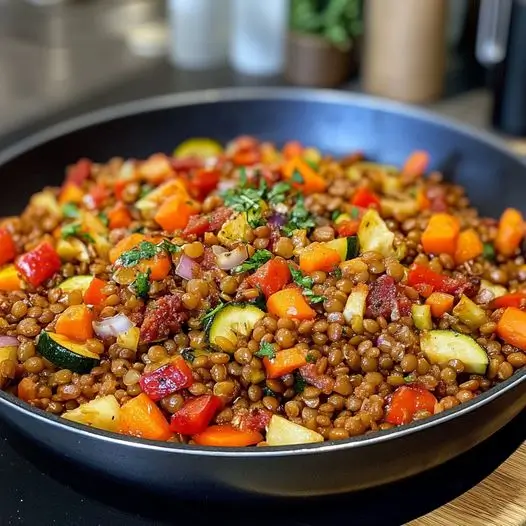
<point x="257" y="296"/>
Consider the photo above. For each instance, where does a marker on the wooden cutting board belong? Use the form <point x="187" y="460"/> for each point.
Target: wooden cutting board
<point x="499" y="500"/>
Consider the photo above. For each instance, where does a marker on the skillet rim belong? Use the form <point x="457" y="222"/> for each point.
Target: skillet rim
<point x="210" y="96"/>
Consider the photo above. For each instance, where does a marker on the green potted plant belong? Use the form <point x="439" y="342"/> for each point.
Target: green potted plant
<point x="322" y="42"/>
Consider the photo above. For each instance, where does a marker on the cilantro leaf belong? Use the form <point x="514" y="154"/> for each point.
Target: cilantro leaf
<point x="355" y="213"/>
<point x="169" y="247"/>
<point x="209" y="316"/>
<point x="265" y="350"/>
<point x="75" y="230"/>
<point x="337" y="273"/>
<point x="299" y="383"/>
<point x="145" y="190"/>
<point x="70" y="210"/>
<point x="278" y="193"/>
<point x="313" y="298"/>
<point x="488" y="251"/>
<point x="259" y="258"/>
<point x="188" y="354"/>
<point x="305" y="282"/>
<point x="297" y="177"/>
<point x="300" y="218"/>
<point x="144" y="250"/>
<point x="310" y="358"/>
<point x="141" y="285"/>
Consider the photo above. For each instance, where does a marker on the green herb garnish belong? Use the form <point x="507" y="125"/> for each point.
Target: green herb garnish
<point x="306" y="283"/>
<point x="267" y="391"/>
<point x="265" y="350"/>
<point x="278" y="193"/>
<point x="141" y="285"/>
<point x="300" y="218"/>
<point x="310" y="358"/>
<point x="70" y="210"/>
<point x="145" y="190"/>
<point x="104" y="219"/>
<point x="488" y="251"/>
<point x="337" y="273"/>
<point x="355" y="213"/>
<point x="299" y="383"/>
<point x="209" y="316"/>
<point x="297" y="177"/>
<point x="75" y="230"/>
<point x="188" y="354"/>
<point x="169" y="247"/>
<point x="247" y="200"/>
<point x="335" y="215"/>
<point x="144" y="250"/>
<point x="259" y="258"/>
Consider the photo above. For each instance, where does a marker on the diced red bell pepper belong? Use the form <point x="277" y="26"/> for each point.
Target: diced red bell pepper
<point x="271" y="277"/>
<point x="195" y="415"/>
<point x="79" y="172"/>
<point x="167" y="379"/>
<point x="199" y="224"/>
<point x="7" y="246"/>
<point x="202" y="182"/>
<point x="94" y="294"/>
<point x="348" y="228"/>
<point x="365" y="198"/>
<point x="96" y="197"/>
<point x="119" y="216"/>
<point x="406" y="401"/>
<point x="514" y="299"/>
<point x="419" y="275"/>
<point x="386" y="299"/>
<point x="39" y="264"/>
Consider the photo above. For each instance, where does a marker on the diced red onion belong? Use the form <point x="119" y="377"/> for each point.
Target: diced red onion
<point x="277" y="219"/>
<point x="8" y="341"/>
<point x="187" y="268"/>
<point x="229" y="260"/>
<point x="118" y="324"/>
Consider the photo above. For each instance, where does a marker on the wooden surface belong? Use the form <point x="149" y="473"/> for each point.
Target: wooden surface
<point x="499" y="500"/>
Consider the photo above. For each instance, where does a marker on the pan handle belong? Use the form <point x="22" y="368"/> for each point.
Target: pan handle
<point x="492" y="32"/>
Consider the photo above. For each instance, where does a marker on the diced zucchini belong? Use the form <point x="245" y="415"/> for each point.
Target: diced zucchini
<point x="283" y="432"/>
<point x="198" y="147"/>
<point x="347" y="247"/>
<point x="129" y="339"/>
<point x="356" y="303"/>
<point x="235" y="230"/>
<point x="102" y="413"/>
<point x="67" y="353"/>
<point x="80" y="283"/>
<point x="442" y="346"/>
<point x="8" y="353"/>
<point x="421" y="315"/>
<point x="374" y="235"/>
<point x="469" y="313"/>
<point x="231" y="321"/>
<point x="496" y="290"/>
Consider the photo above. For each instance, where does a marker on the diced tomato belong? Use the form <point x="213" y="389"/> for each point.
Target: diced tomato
<point x="96" y="197"/>
<point x="199" y="224"/>
<point x="94" y="294"/>
<point x="79" y="172"/>
<point x="271" y="277"/>
<point x="167" y="379"/>
<point x="39" y="264"/>
<point x="365" y="198"/>
<point x="514" y="299"/>
<point x="246" y="157"/>
<point x="255" y="419"/>
<point x="419" y="276"/>
<point x="186" y="164"/>
<point x="195" y="415"/>
<point x="385" y="299"/>
<point x="406" y="401"/>
<point x="7" y="246"/>
<point x="310" y="374"/>
<point x="203" y="182"/>
<point x="118" y="188"/>
<point x="348" y="228"/>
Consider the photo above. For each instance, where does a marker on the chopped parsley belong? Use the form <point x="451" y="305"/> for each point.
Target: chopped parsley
<point x="209" y="316"/>
<point x="310" y="358"/>
<point x="306" y="283"/>
<point x="488" y="251"/>
<point x="259" y="258"/>
<point x="267" y="391"/>
<point x="249" y="200"/>
<point x="188" y="354"/>
<point x="337" y="273"/>
<point x="335" y="215"/>
<point x="297" y="177"/>
<point x="104" y="219"/>
<point x="75" y="230"/>
<point x="146" y="250"/>
<point x="145" y="190"/>
<point x="299" y="383"/>
<point x="278" y="193"/>
<point x="141" y="285"/>
<point x="300" y="218"/>
<point x="266" y="350"/>
<point x="70" y="210"/>
<point x="355" y="213"/>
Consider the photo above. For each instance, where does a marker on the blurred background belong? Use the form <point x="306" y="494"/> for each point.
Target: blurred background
<point x="60" y="58"/>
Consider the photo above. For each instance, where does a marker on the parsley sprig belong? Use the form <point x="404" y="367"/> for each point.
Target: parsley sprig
<point x="146" y="250"/>
<point x="266" y="350"/>
<point x="247" y="199"/>
<point x="75" y="230"/>
<point x="259" y="258"/>
<point x="306" y="283"/>
<point x="300" y="218"/>
<point x="141" y="285"/>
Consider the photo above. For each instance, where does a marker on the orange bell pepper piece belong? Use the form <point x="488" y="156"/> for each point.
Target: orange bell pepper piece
<point x="416" y="165"/>
<point x="510" y="232"/>
<point x="94" y="294"/>
<point x="140" y="417"/>
<point x="119" y="216"/>
<point x="124" y="245"/>
<point x="156" y="169"/>
<point x="440" y="303"/>
<point x="75" y="323"/>
<point x="469" y="246"/>
<point x="227" y="436"/>
<point x="441" y="234"/>
<point x="290" y="303"/>
<point x="512" y="327"/>
<point x="303" y="177"/>
<point x="175" y="212"/>
<point x="292" y="149"/>
<point x="284" y="362"/>
<point x="317" y="256"/>
<point x="9" y="279"/>
<point x="70" y="193"/>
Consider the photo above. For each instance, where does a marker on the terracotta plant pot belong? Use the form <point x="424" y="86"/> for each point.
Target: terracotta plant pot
<point x="313" y="61"/>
